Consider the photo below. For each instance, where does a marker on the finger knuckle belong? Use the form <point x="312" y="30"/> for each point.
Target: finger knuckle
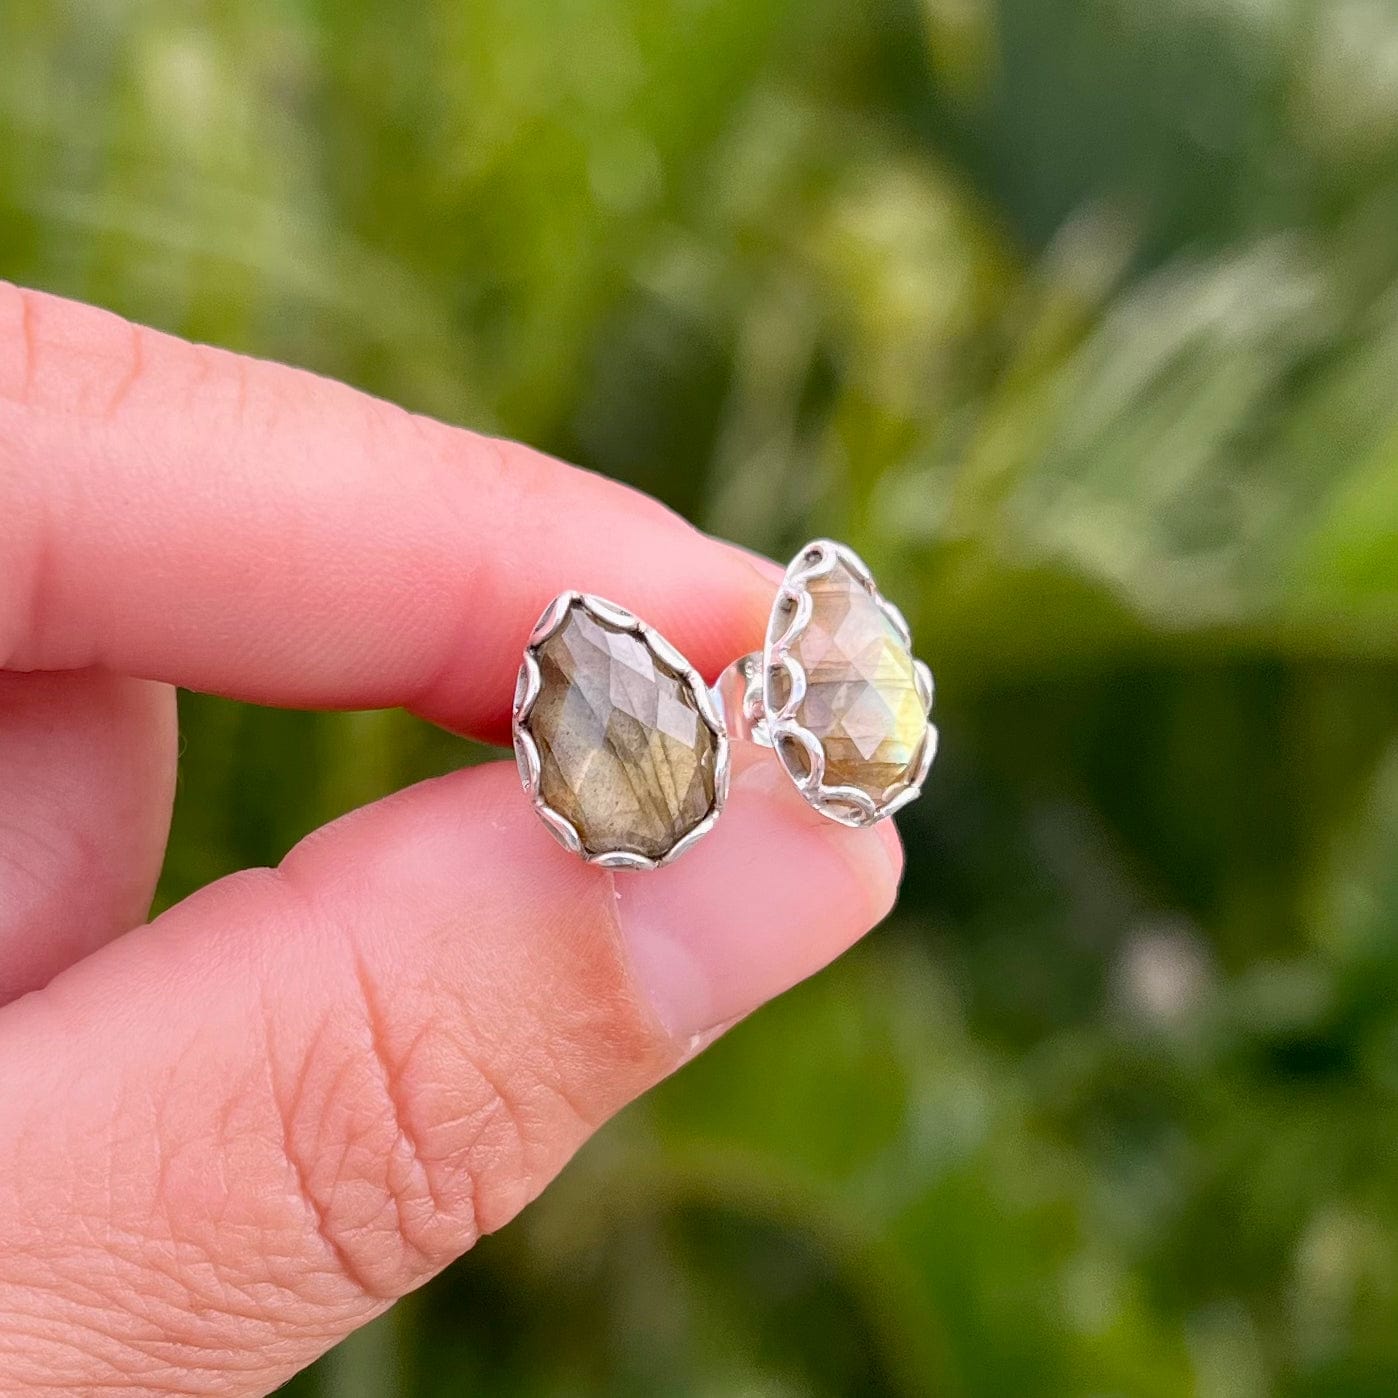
<point x="371" y="1192"/>
<point x="427" y="1108"/>
<point x="405" y="1138"/>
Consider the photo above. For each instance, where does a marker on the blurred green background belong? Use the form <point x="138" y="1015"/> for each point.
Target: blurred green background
<point x="1079" y="318"/>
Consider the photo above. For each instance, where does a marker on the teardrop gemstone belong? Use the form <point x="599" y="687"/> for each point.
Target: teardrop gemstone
<point x="624" y="753"/>
<point x="861" y="697"/>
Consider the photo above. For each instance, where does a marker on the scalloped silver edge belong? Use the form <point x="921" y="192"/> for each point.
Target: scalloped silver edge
<point x="845" y="804"/>
<point x="926" y="685"/>
<point x="800" y="599"/>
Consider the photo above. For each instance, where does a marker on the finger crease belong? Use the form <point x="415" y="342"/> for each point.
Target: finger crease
<point x="391" y="1077"/>
<point x="306" y="1189"/>
<point x="501" y="1102"/>
<point x="132" y="374"/>
<point x="29" y="346"/>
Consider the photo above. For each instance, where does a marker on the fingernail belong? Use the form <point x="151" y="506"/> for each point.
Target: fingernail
<point x="774" y="893"/>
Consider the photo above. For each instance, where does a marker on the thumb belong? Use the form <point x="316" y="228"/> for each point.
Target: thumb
<point x="240" y="1132"/>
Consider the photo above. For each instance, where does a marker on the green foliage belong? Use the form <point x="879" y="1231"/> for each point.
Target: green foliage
<point x="1080" y="319"/>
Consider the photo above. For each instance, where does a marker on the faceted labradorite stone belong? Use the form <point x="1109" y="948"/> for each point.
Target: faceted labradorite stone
<point x="623" y="751"/>
<point x="861" y="696"/>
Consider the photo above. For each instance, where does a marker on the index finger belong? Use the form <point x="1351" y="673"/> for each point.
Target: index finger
<point x="180" y="513"/>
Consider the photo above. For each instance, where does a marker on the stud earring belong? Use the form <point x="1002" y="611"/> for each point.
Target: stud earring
<point x="835" y="690"/>
<point x="618" y="742"/>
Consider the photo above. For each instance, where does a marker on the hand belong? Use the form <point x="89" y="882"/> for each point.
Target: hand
<point x="230" y="1136"/>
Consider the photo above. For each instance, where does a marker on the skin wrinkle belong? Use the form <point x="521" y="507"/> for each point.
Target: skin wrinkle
<point x="126" y="381"/>
<point x="522" y="1178"/>
<point x="140" y="1259"/>
<point x="74" y="1287"/>
<point x="396" y="1114"/>
<point x="288" y="1110"/>
<point x="53" y="1343"/>
<point x="398" y="1111"/>
<point x="556" y="1082"/>
<point x="99" y="373"/>
<point x="169" y="1258"/>
<point x="506" y="1163"/>
<point x="500" y="1104"/>
<point x="76" y="1292"/>
<point x="464" y="1230"/>
<point x="418" y="1155"/>
<point x="125" y="1355"/>
<point x="28" y="345"/>
<point x="168" y="1342"/>
<point x="203" y="364"/>
<point x="173" y="1340"/>
<point x="472" y="1145"/>
<point x="240" y="382"/>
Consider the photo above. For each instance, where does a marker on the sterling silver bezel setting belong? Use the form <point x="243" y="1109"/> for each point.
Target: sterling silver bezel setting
<point x="797" y="748"/>
<point x="527" y="690"/>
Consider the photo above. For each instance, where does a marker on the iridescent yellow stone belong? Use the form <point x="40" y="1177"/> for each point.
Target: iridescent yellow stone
<point x="861" y="697"/>
<point x="623" y="751"/>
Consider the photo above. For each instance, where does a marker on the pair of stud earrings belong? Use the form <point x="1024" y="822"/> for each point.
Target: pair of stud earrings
<point x="624" y="750"/>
